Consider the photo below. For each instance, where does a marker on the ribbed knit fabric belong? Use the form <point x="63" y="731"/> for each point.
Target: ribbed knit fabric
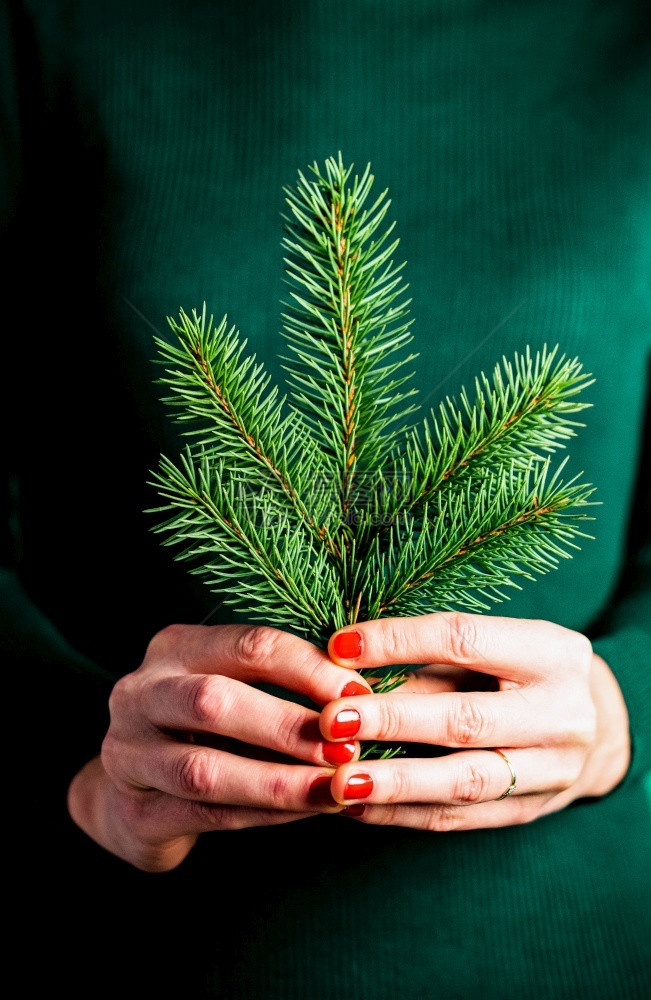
<point x="145" y="148"/>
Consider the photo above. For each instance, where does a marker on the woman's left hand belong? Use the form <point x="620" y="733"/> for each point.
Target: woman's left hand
<point x="553" y="707"/>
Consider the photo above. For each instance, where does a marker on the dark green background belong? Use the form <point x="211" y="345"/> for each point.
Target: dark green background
<point x="146" y="146"/>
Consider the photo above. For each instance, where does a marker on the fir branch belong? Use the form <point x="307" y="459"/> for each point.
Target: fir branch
<point x="243" y="540"/>
<point x="347" y="320"/>
<point x="349" y="512"/>
<point x="517" y="418"/>
<point x="471" y="544"/>
<point x="226" y="394"/>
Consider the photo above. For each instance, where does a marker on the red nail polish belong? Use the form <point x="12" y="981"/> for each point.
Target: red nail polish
<point x="353" y="688"/>
<point x="319" y="793"/>
<point x="338" y="753"/>
<point x="355" y="810"/>
<point x="359" y="786"/>
<point x="347" y="645"/>
<point x="346" y="723"/>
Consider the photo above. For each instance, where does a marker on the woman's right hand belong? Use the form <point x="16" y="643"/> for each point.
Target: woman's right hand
<point x="193" y="747"/>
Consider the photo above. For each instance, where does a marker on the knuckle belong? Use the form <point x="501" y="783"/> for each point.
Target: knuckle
<point x="256" y="646"/>
<point x="462" y="638"/>
<point x="572" y="773"/>
<point x="209" y="700"/>
<point x="276" y="791"/>
<point x="392" y="722"/>
<point x="583" y="727"/>
<point x="388" y="815"/>
<point x="289" y="733"/>
<point x="166" y="640"/>
<point x="216" y="817"/>
<point x="402" y="788"/>
<point x="313" y="669"/>
<point x="472" y="783"/>
<point x="110" y="756"/>
<point x="443" y="819"/>
<point x="392" y="642"/>
<point x="196" y="774"/>
<point x="121" y="696"/>
<point x="468" y="723"/>
<point x="584" y="652"/>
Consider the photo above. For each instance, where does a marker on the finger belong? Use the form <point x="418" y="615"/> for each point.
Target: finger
<point x="259" y="654"/>
<point x="447" y="819"/>
<point x="463" y="779"/>
<point x="212" y="703"/>
<point x="170" y="817"/>
<point x="473" y="719"/>
<point x="433" y="678"/>
<point x="511" y="648"/>
<point x="205" y="774"/>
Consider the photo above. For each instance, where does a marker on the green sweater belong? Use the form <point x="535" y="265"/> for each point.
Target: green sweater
<point x="145" y="146"/>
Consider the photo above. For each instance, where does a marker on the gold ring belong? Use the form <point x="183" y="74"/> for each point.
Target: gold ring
<point x="510" y="767"/>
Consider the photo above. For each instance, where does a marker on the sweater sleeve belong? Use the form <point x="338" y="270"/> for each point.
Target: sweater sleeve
<point x="623" y="636"/>
<point x="60" y="697"/>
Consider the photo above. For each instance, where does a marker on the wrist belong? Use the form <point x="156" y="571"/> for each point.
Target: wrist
<point x="119" y="824"/>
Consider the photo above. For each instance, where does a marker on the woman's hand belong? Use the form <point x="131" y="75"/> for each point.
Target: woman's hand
<point x="193" y="747"/>
<point x="555" y="710"/>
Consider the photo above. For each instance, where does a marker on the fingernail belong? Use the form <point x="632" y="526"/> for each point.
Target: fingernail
<point x="358" y="786"/>
<point x="355" y="810"/>
<point x="319" y="792"/>
<point x="338" y="753"/>
<point x="346" y="723"/>
<point x="353" y="688"/>
<point x="347" y="645"/>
